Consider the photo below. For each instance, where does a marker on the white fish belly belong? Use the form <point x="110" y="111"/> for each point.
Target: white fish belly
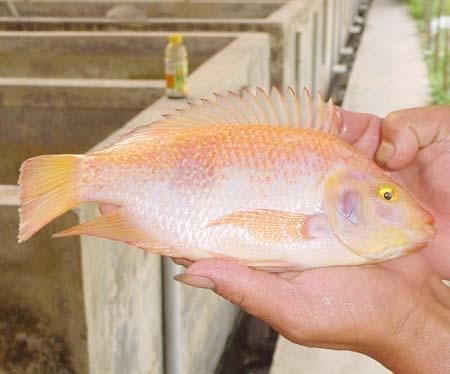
<point x="179" y="217"/>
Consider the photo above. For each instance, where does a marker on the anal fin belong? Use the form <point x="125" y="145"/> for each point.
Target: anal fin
<point x="114" y="225"/>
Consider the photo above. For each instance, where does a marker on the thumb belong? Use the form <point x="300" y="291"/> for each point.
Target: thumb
<point x="259" y="293"/>
<point x="404" y="133"/>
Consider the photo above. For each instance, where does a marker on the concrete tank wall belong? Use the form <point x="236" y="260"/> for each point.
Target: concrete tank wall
<point x="297" y="29"/>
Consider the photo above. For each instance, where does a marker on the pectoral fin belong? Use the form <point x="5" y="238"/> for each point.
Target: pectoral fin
<point x="273" y="225"/>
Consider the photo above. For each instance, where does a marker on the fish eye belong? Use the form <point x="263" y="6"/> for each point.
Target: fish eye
<point x="387" y="192"/>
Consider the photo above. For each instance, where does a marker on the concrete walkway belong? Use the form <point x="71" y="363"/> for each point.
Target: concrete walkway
<point x="389" y="73"/>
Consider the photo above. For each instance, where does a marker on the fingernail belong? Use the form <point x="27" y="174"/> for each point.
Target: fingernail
<point x="195" y="281"/>
<point x="384" y="153"/>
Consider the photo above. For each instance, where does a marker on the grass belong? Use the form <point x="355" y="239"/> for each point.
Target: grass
<point x="439" y="94"/>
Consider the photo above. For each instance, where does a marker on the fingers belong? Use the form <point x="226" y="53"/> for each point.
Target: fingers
<point x="309" y="308"/>
<point x="405" y="132"/>
<point x="106" y="208"/>
<point x="182" y="261"/>
<point x="262" y="294"/>
<point x="362" y="130"/>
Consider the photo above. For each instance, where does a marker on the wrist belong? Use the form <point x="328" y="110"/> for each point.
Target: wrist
<point x="421" y="345"/>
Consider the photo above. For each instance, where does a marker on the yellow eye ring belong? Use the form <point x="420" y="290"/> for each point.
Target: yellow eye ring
<point x="387" y="192"/>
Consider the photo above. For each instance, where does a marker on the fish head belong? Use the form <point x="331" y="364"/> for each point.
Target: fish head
<point x="375" y="217"/>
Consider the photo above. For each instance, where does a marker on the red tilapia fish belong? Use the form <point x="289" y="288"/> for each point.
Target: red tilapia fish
<point x="261" y="179"/>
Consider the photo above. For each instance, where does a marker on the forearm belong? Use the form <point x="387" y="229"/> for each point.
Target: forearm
<point x="421" y="348"/>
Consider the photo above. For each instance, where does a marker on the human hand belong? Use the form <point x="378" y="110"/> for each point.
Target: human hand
<point x="416" y="144"/>
<point x="397" y="312"/>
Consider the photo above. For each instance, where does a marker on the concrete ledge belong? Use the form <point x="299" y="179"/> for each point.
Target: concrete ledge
<point x="99" y="54"/>
<point x="9" y="195"/>
<point x="103" y="83"/>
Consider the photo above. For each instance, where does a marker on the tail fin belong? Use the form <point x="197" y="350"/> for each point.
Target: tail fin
<point x="45" y="184"/>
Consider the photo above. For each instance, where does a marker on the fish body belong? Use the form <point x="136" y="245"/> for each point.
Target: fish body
<point x="274" y="197"/>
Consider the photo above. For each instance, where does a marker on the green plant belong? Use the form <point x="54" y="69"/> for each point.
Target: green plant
<point x="435" y="45"/>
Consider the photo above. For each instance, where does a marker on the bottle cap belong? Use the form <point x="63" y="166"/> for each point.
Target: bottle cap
<point x="175" y="38"/>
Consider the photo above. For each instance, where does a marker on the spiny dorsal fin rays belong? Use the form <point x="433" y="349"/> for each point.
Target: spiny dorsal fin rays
<point x="211" y="116"/>
<point x="196" y="116"/>
<point x="237" y="116"/>
<point x="280" y="107"/>
<point x="318" y="110"/>
<point x="234" y="105"/>
<point x="218" y="110"/>
<point x="261" y="116"/>
<point x="331" y="123"/>
<point x="267" y="106"/>
<point x="250" y="108"/>
<point x="292" y="103"/>
<point x="251" y="111"/>
<point x="168" y="117"/>
<point x="178" y="117"/>
<point x="307" y="121"/>
<point x="244" y="108"/>
<point x="213" y="110"/>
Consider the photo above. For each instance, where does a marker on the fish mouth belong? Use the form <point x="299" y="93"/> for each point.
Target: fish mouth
<point x="424" y="231"/>
<point x="423" y="236"/>
<point x="428" y="218"/>
<point x="427" y="230"/>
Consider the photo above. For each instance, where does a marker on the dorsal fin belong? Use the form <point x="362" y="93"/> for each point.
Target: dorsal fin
<point x="249" y="109"/>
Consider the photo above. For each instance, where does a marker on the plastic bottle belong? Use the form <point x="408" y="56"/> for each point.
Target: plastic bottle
<point x="176" y="67"/>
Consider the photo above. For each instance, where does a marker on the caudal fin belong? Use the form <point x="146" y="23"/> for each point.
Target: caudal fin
<point x="45" y="191"/>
